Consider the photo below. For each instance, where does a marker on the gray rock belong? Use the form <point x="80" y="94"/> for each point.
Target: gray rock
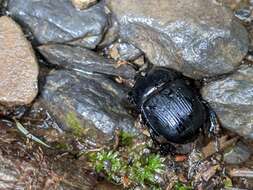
<point x="238" y="154"/>
<point x="93" y="101"/>
<point x="59" y="22"/>
<point x="111" y="35"/>
<point x="83" y="60"/>
<point x="19" y="68"/>
<point x="128" y="52"/>
<point x="184" y="35"/>
<point x="232" y="99"/>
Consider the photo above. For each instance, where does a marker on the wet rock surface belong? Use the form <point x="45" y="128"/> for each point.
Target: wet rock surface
<point x="238" y="154"/>
<point x="92" y="101"/>
<point x="232" y="99"/>
<point x="19" y="69"/>
<point x="183" y="35"/>
<point x="59" y="22"/>
<point x="84" y="61"/>
<point x="81" y="114"/>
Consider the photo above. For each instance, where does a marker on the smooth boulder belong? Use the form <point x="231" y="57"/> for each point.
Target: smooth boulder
<point x="90" y="105"/>
<point x="59" y="21"/>
<point x="232" y="99"/>
<point x="84" y="61"/>
<point x="19" y="68"/>
<point x="183" y="35"/>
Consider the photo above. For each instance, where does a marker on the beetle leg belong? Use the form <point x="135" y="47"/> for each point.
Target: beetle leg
<point x="141" y="121"/>
<point x="214" y="128"/>
<point x="130" y="98"/>
<point x="214" y="125"/>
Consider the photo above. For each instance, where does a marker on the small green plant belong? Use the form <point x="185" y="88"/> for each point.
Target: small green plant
<point x="144" y="168"/>
<point x="181" y="186"/>
<point x="107" y="162"/>
<point x="129" y="163"/>
<point x="74" y="123"/>
<point x="228" y="182"/>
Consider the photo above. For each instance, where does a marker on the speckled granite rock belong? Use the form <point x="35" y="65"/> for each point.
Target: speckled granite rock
<point x="19" y="69"/>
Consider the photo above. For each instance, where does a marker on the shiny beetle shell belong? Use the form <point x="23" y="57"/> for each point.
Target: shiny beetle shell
<point x="169" y="105"/>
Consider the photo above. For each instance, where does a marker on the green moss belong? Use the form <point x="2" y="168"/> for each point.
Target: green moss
<point x="126" y="139"/>
<point x="107" y="162"/>
<point x="228" y="182"/>
<point x="181" y="186"/>
<point x="129" y="162"/>
<point x="74" y="123"/>
<point x="153" y="187"/>
<point x="144" y="168"/>
<point x="62" y="146"/>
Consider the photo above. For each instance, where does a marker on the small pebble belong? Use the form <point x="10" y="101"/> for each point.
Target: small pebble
<point x="243" y="14"/>
<point x="83" y="4"/>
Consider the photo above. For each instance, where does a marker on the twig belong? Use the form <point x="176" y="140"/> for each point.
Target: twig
<point x="29" y="135"/>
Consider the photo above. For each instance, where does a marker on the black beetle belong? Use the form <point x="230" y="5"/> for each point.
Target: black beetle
<point x="170" y="105"/>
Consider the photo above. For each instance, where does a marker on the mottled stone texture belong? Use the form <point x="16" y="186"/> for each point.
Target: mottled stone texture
<point x="58" y="21"/>
<point x="128" y="52"/>
<point x="237" y="154"/>
<point x="19" y="69"/>
<point x="232" y="99"/>
<point x="94" y="100"/>
<point x="84" y="61"/>
<point x="196" y="37"/>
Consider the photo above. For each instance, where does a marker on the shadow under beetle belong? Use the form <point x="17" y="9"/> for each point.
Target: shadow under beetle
<point x="171" y="107"/>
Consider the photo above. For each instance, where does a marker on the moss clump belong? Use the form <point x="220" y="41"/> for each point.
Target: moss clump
<point x="181" y="186"/>
<point x="130" y="165"/>
<point x="144" y="168"/>
<point x="228" y="182"/>
<point x="74" y="123"/>
<point x="142" y="171"/>
<point x="62" y="146"/>
<point x="126" y="139"/>
<point x="107" y="162"/>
